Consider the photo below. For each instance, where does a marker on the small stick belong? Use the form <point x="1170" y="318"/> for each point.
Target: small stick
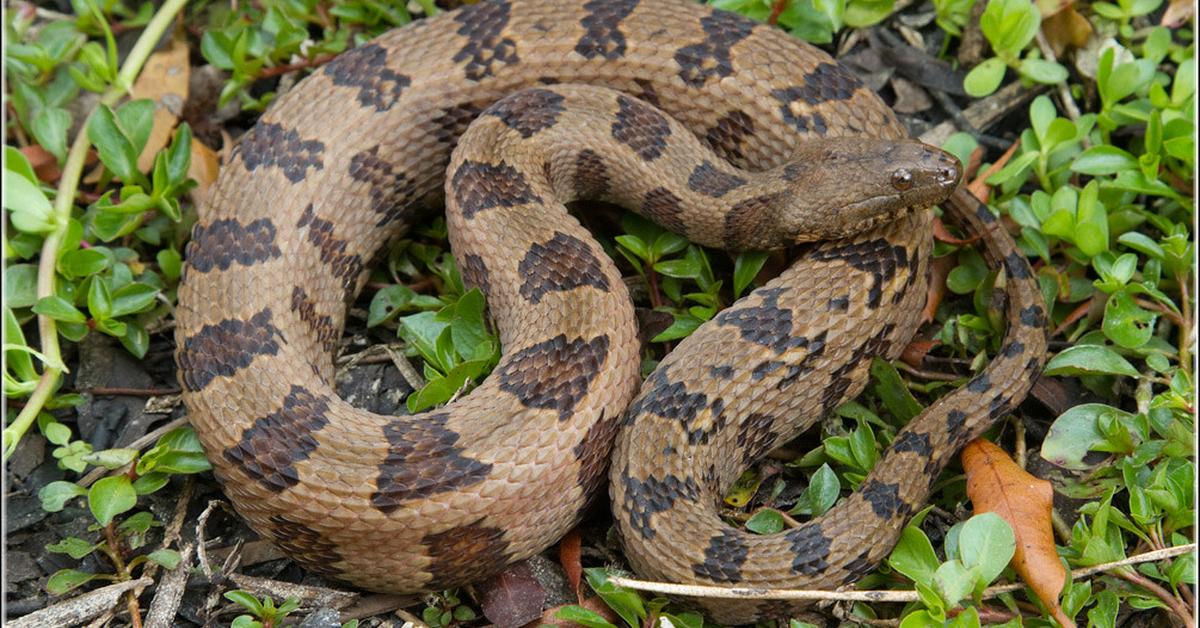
<point x="747" y="593"/>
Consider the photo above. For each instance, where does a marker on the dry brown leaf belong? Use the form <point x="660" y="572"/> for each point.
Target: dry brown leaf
<point x="914" y="354"/>
<point x="204" y="169"/>
<point x="512" y="598"/>
<point x="937" y="286"/>
<point x="1178" y="13"/>
<point x="44" y="164"/>
<point x="1066" y="29"/>
<point x="997" y="484"/>
<point x="570" y="556"/>
<point x="979" y="187"/>
<point x="164" y="79"/>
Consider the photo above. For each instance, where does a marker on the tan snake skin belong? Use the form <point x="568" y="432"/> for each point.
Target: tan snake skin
<point x="347" y="161"/>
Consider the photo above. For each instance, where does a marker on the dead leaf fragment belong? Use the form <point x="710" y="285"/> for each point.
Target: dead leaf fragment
<point x="570" y="556"/>
<point x="1178" y="13"/>
<point x="164" y="79"/>
<point x="996" y="484"/>
<point x="204" y="168"/>
<point x="513" y="598"/>
<point x="1066" y="29"/>
<point x="44" y="164"/>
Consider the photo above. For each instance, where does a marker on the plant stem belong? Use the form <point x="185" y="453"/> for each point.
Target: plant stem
<point x="1185" y="327"/>
<point x="1175" y="604"/>
<point x="64" y="199"/>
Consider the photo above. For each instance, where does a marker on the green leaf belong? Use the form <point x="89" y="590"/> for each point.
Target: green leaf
<point x="626" y="603"/>
<point x="30" y="210"/>
<point x="20" y="285"/>
<point x="117" y="151"/>
<point x="133" y="298"/>
<point x="1043" y="71"/>
<point x="891" y="389"/>
<point x="150" y="483"/>
<point x="56" y="494"/>
<point x="110" y="497"/>
<point x="83" y="262"/>
<point x="179" y="156"/>
<point x="1090" y="360"/>
<point x="984" y="78"/>
<point x="136" y="118"/>
<point x="65" y="580"/>
<point x="1010" y="25"/>
<point x="111" y="458"/>
<point x="745" y="268"/>
<point x="169" y="262"/>
<point x="821" y="493"/>
<point x="59" y="309"/>
<point x="953" y="581"/>
<point x="765" y="521"/>
<point x="99" y="299"/>
<point x="168" y="558"/>
<point x="1126" y="323"/>
<point x="634" y="245"/>
<point x="50" y="126"/>
<point x="74" y="547"/>
<point x="863" y="13"/>
<point x="986" y="542"/>
<point x="15" y="161"/>
<point x="1103" y="159"/>
<point x="246" y="601"/>
<point x="913" y="556"/>
<point x="679" y="268"/>
<point x="584" y="617"/>
<point x="1142" y="243"/>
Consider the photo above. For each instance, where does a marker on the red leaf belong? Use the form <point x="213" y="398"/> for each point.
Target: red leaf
<point x="513" y="598"/>
<point x="569" y="555"/>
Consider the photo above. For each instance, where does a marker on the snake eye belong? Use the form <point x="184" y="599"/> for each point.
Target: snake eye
<point x="902" y="179"/>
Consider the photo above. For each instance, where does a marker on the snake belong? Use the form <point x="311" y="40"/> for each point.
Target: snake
<point x="727" y="131"/>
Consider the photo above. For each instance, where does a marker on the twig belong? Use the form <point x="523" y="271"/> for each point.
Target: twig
<point x="313" y="597"/>
<point x="1064" y="92"/>
<point x="777" y="9"/>
<point x="747" y="593"/>
<point x="292" y="67"/>
<point x="933" y="375"/>
<point x="406" y="369"/>
<point x="1175" y="604"/>
<point x="169" y="592"/>
<point x="132" y="392"/>
<point x="78" y="609"/>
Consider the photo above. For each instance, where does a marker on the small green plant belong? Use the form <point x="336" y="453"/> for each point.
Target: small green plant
<point x="263" y="612"/>
<point x="977" y="550"/>
<point x="1009" y="26"/>
<point x="178" y="452"/>
<point x="445" y="610"/>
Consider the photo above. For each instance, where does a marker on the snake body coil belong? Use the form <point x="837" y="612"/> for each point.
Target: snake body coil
<point x="353" y="155"/>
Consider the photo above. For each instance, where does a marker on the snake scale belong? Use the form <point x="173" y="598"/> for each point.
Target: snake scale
<point x="725" y="130"/>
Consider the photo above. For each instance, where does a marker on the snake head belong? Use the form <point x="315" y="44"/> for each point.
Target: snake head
<point x="842" y="186"/>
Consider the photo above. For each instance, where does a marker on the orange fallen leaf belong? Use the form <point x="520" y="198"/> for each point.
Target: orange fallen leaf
<point x="914" y="353"/>
<point x="44" y="164"/>
<point x="164" y="79"/>
<point x="941" y="234"/>
<point x="1066" y="29"/>
<point x="570" y="554"/>
<point x="1178" y="13"/>
<point x="996" y="484"/>
<point x="937" y="286"/>
<point x="205" y="167"/>
<point x="979" y="187"/>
